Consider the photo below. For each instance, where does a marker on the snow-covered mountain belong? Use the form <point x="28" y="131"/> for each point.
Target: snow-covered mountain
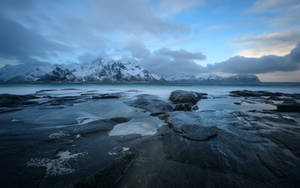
<point x="24" y="72"/>
<point x="110" y="70"/>
<point x="190" y="77"/>
<point x="210" y="77"/>
<point x="97" y="70"/>
<point x="102" y="70"/>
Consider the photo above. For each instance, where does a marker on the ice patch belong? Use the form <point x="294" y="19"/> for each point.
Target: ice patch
<point x="124" y="149"/>
<point x="112" y="153"/>
<point x="142" y="128"/>
<point x="59" y="134"/>
<point x="15" y="120"/>
<point x="58" y="166"/>
<point x="77" y="136"/>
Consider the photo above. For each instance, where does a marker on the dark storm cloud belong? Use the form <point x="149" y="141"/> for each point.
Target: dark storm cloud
<point x="165" y="61"/>
<point x="265" y="64"/>
<point x="164" y="65"/>
<point x="180" y="54"/>
<point x="86" y="26"/>
<point x="20" y="43"/>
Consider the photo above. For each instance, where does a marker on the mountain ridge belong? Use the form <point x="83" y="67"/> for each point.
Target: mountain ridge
<point x="103" y="70"/>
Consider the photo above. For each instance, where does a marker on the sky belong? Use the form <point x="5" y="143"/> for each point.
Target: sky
<point x="225" y="37"/>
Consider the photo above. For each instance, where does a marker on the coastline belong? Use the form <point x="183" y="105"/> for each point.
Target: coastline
<point x="87" y="137"/>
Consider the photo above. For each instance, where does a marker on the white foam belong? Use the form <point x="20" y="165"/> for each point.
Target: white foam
<point x="15" y="120"/>
<point x="77" y="136"/>
<point x="57" y="166"/>
<point x="59" y="134"/>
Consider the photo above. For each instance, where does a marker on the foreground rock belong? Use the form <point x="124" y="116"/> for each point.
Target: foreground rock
<point x="8" y="100"/>
<point x="107" y="96"/>
<point x="110" y="175"/>
<point x="272" y="95"/>
<point x="186" y="100"/>
<point x="243" y="150"/>
<point x="248" y="93"/>
<point x="285" y="102"/>
<point x="181" y="96"/>
<point x="288" y="107"/>
<point x="151" y="104"/>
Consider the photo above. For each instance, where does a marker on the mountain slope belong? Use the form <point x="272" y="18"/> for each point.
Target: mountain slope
<point x="103" y="70"/>
<point x="110" y="70"/>
<point x="210" y="77"/>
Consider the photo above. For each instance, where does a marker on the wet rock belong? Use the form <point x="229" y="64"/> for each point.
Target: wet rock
<point x="181" y="96"/>
<point x="183" y="107"/>
<point x="98" y="126"/>
<point x="107" y="96"/>
<point x="189" y="126"/>
<point x="110" y="175"/>
<point x="248" y="93"/>
<point x="151" y="104"/>
<point x="45" y="91"/>
<point x="5" y="109"/>
<point x="288" y="107"/>
<point x="199" y="133"/>
<point x="9" y="100"/>
<point x="66" y="99"/>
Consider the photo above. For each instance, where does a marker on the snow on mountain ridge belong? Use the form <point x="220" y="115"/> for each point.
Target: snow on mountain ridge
<point x="107" y="69"/>
<point x="102" y="70"/>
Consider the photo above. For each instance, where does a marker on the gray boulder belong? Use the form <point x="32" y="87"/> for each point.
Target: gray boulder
<point x="181" y="96"/>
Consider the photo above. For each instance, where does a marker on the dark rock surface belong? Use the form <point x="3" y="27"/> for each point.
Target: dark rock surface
<point x="107" y="96"/>
<point x="9" y="100"/>
<point x="230" y="142"/>
<point x="181" y="96"/>
<point x="248" y="93"/>
<point x="60" y="75"/>
<point x="189" y="126"/>
<point x="226" y="155"/>
<point x="288" y="107"/>
<point x="110" y="175"/>
<point x="151" y="104"/>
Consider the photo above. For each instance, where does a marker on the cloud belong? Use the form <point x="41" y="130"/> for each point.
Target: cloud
<point x="278" y="43"/>
<point x="180" y="54"/>
<point x="278" y="13"/>
<point x="137" y="49"/>
<point x="85" y="26"/>
<point x="166" y="61"/>
<point x="261" y="6"/>
<point x="18" y="42"/>
<point x="265" y="64"/>
<point x="171" y="7"/>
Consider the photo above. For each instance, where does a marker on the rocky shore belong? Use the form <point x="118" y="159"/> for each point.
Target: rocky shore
<point x="132" y="139"/>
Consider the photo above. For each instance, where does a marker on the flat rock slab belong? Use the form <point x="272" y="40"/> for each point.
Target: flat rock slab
<point x="107" y="96"/>
<point x="288" y="107"/>
<point x="248" y="93"/>
<point x="190" y="126"/>
<point x="199" y="133"/>
<point x="9" y="100"/>
<point x="151" y="104"/>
